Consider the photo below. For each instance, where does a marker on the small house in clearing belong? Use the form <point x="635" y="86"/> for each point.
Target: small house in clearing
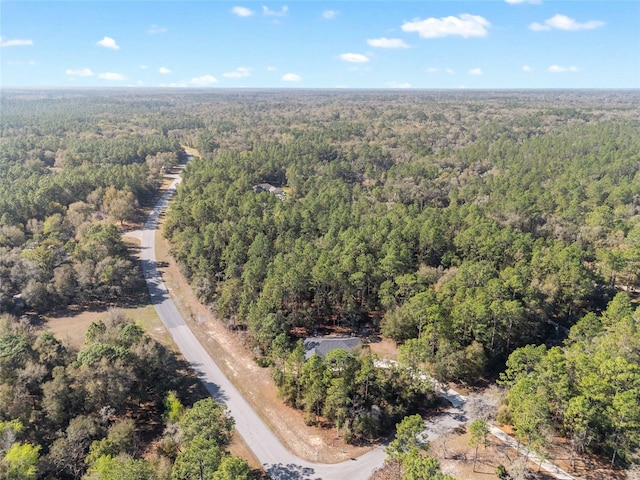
<point x="322" y="346"/>
<point x="267" y="187"/>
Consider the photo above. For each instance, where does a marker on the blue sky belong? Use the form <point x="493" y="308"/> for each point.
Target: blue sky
<point x="313" y="44"/>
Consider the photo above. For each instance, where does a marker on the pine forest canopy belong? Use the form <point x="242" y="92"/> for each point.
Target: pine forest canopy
<point x="496" y="212"/>
<point x="455" y="216"/>
<point x="461" y="224"/>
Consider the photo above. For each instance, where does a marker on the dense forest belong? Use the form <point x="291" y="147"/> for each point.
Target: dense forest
<point x="70" y="173"/>
<point x="484" y="232"/>
<point x="462" y="226"/>
<point x="74" y="168"/>
<point x="92" y="414"/>
<point x="588" y="389"/>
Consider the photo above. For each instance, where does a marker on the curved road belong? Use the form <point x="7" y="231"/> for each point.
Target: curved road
<point x="277" y="461"/>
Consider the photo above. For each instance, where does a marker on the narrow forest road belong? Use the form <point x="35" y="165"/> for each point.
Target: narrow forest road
<point x="277" y="461"/>
<point x="533" y="456"/>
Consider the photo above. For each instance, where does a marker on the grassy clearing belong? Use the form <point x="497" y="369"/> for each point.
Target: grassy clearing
<point x="70" y="328"/>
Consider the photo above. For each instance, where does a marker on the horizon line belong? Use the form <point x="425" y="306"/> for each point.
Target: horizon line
<point x="338" y="89"/>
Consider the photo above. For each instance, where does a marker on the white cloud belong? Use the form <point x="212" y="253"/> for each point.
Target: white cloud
<point x="272" y="13"/>
<point x="475" y="71"/>
<point x="526" y="68"/>
<point x="112" y="76"/>
<point x="15" y="43"/>
<point x="354" y="58"/>
<point x="108" y="42"/>
<point x="387" y="42"/>
<point x="562" y="22"/>
<point x="272" y="68"/>
<point x="534" y="2"/>
<point x="241" y="11"/>
<point x="154" y="29"/>
<point x="164" y="70"/>
<point x="240" y="72"/>
<point x="449" y="71"/>
<point x="143" y="67"/>
<point x="79" y="72"/>
<point x="291" y="77"/>
<point x="204" y="80"/>
<point x="465" y="26"/>
<point x="561" y="69"/>
<point x="330" y="14"/>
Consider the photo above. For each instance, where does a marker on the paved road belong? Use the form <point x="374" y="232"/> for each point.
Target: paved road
<point x="276" y="459"/>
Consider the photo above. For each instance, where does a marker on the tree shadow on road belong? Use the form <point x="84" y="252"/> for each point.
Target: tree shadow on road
<point x="214" y="390"/>
<point x="290" y="472"/>
<point x="157" y="291"/>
